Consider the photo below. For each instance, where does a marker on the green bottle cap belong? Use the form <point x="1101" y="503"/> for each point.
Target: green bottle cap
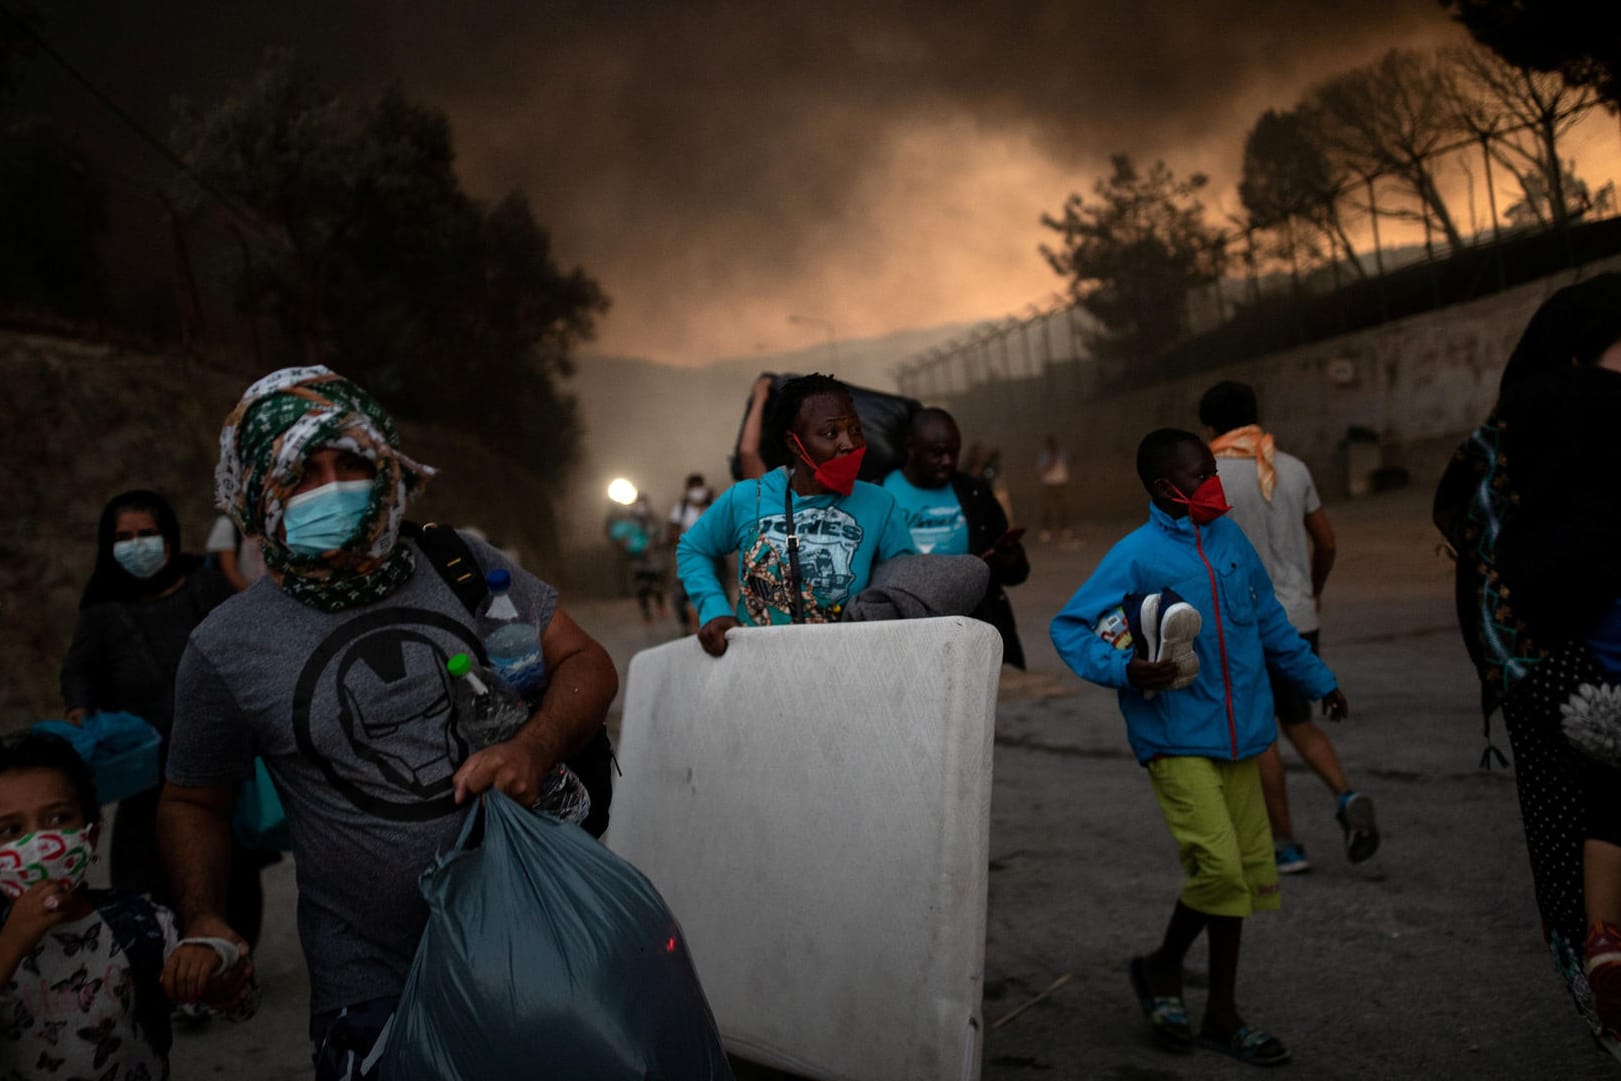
<point x="459" y="665"/>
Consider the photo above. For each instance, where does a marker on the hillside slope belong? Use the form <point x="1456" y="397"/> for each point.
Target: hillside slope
<point x="80" y="423"/>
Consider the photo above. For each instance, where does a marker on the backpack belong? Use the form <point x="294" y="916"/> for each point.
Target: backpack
<point x="455" y="562"/>
<point x="1469" y="527"/>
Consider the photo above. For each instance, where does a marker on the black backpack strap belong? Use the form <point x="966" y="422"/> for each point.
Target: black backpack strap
<point x="452" y="559"/>
<point x="133" y="922"/>
<point x="796" y="605"/>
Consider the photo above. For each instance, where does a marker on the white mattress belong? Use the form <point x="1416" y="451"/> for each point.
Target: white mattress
<point x="815" y="807"/>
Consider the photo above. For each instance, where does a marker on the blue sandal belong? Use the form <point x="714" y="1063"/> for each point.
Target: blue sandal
<point x="1248" y="1045"/>
<point x="1167" y="1014"/>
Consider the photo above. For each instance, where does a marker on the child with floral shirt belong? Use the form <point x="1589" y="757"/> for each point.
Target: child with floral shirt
<point x="80" y="969"/>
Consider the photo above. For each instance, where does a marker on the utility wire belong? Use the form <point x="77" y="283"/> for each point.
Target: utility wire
<point x="242" y="217"/>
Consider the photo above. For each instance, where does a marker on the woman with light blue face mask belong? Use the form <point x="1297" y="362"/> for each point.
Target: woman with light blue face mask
<point x="140" y="583"/>
<point x="144" y="598"/>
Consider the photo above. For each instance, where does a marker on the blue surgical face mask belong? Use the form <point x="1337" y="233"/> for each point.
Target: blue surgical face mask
<point x="142" y="556"/>
<point x="327" y="517"/>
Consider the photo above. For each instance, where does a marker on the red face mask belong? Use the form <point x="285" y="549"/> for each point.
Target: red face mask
<point x="838" y="472"/>
<point x="1207" y="503"/>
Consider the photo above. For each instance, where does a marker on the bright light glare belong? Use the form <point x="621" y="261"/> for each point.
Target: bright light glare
<point x="622" y="491"/>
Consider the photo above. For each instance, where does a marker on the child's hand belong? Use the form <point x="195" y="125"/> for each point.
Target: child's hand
<point x="187" y="972"/>
<point x="1335" y="707"/>
<point x="1150" y="675"/>
<point x="44" y="906"/>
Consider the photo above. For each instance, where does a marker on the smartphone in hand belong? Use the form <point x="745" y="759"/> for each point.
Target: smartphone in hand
<point x="1007" y="540"/>
<point x="1010" y="538"/>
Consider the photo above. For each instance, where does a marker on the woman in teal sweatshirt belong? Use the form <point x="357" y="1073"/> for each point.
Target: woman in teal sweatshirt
<point x="807" y="533"/>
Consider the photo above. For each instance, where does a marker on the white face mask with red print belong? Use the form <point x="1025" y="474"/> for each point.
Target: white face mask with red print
<point x="54" y="855"/>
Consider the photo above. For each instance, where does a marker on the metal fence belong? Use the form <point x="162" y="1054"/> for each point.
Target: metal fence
<point x="1288" y="293"/>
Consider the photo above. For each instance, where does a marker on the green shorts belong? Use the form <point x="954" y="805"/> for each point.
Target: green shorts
<point x="1218" y="818"/>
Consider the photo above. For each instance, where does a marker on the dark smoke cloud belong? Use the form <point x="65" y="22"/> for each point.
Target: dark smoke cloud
<point x="718" y="166"/>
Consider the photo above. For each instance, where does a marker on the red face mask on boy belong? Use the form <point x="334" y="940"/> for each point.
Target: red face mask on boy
<point x="1207" y="503"/>
<point x="838" y="472"/>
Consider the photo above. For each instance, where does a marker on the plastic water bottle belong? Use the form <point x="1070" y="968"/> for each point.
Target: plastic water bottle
<point x="511" y="643"/>
<point x="488" y="712"/>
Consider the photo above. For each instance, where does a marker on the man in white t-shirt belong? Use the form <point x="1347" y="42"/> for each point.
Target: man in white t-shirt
<point x="1275" y="503"/>
<point x="240" y="558"/>
<point x="1052" y="467"/>
<point x="696" y="497"/>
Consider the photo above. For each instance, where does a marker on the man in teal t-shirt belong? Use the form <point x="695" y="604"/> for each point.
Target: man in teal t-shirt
<point x="950" y="513"/>
<point x="922" y="486"/>
<point x="934" y="515"/>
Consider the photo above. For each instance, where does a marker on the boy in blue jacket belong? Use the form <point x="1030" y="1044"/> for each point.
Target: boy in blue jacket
<point x="1199" y="743"/>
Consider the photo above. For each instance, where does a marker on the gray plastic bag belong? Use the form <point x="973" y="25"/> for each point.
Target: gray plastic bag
<point x="547" y="956"/>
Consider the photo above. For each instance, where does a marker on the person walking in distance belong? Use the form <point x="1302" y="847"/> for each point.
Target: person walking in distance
<point x="1276" y="504"/>
<point x="696" y="497"/>
<point x="1052" y="468"/>
<point x="633" y="530"/>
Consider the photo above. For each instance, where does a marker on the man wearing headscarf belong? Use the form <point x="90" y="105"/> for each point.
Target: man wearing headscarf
<point x="332" y="670"/>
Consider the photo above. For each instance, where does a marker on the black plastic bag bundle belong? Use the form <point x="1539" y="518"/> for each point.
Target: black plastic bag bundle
<point x="884" y="418"/>
<point x="547" y="956"/>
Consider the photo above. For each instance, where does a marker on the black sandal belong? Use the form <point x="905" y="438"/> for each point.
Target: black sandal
<point x="1255" y="1046"/>
<point x="1167" y="1014"/>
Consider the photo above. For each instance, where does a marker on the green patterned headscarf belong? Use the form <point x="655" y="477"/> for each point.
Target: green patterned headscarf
<point x="283" y="419"/>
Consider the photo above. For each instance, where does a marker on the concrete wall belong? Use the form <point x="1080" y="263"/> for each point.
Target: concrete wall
<point x="1420" y="383"/>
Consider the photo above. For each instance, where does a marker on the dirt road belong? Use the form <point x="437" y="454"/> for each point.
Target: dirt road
<point x="1424" y="963"/>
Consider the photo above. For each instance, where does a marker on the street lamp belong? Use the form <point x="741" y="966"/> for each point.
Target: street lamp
<point x="825" y="325"/>
<point x="622" y="491"/>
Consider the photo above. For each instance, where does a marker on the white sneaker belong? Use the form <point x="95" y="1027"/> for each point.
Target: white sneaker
<point x="1179" y="625"/>
<point x="1167" y="626"/>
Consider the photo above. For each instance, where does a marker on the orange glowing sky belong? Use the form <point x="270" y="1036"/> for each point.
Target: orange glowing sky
<point x="936" y="218"/>
<point x="719" y="166"/>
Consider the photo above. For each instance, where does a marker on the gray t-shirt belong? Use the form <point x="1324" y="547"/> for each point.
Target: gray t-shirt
<point x="351" y="712"/>
<point x="1277" y="529"/>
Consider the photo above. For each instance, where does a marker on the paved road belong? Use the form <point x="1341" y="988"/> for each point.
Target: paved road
<point x="1425" y="963"/>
